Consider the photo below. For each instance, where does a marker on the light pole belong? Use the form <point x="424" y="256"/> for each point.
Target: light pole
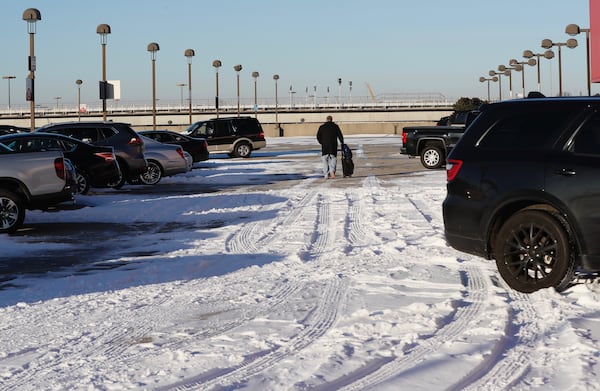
<point x="350" y="85"/>
<point x="217" y="64"/>
<point x="572" y="30"/>
<point x="531" y="62"/>
<point x="153" y="48"/>
<point x="103" y="30"/>
<point x="181" y="85"/>
<point x="79" y="82"/>
<point x="494" y="73"/>
<point x="237" y="69"/>
<point x="8" y="78"/>
<point x="189" y="54"/>
<point x="276" y="77"/>
<point x="488" y="79"/>
<point x="57" y="98"/>
<point x="340" y="93"/>
<point x="255" y="75"/>
<point x="504" y="68"/>
<point x="548" y="54"/>
<point x="547" y="44"/>
<point x="31" y="16"/>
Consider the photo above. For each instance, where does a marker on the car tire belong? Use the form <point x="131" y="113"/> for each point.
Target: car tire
<point x="152" y="175"/>
<point x="432" y="157"/>
<point x="12" y="211"/>
<point x="83" y="182"/>
<point x="243" y="150"/>
<point x="533" y="251"/>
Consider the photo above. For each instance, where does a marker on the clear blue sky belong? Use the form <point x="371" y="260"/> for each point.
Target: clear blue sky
<point x="397" y="46"/>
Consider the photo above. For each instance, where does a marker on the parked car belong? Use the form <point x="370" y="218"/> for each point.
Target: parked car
<point x="127" y="144"/>
<point x="163" y="160"/>
<point x="96" y="166"/>
<point x="10" y="129"/>
<point x="195" y="146"/>
<point x="37" y="180"/>
<point x="236" y="136"/>
<point x="523" y="188"/>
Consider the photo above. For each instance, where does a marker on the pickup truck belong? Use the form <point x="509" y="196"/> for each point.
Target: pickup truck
<point x="433" y="143"/>
<point x="36" y="180"/>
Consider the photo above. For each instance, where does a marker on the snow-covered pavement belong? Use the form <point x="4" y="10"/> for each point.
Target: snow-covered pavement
<point x="306" y="284"/>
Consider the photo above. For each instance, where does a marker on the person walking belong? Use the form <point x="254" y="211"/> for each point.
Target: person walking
<point x="328" y="135"/>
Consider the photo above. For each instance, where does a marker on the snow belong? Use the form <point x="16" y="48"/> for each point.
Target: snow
<point x="281" y="280"/>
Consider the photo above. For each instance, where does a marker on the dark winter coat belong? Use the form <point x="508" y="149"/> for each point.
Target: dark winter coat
<point x="328" y="135"/>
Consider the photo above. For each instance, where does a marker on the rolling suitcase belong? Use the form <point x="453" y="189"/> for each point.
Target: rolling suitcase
<point x="347" y="163"/>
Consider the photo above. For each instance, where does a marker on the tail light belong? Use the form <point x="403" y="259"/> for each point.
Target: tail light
<point x="135" y="141"/>
<point x="205" y="144"/>
<point x="59" y="167"/>
<point x="180" y="152"/>
<point x="261" y="134"/>
<point x="452" y="168"/>
<point x="107" y="156"/>
<point x="403" y="137"/>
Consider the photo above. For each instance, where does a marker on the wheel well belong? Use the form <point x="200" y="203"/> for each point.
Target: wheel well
<point x="16" y="188"/>
<point x="509" y="210"/>
<point x="431" y="143"/>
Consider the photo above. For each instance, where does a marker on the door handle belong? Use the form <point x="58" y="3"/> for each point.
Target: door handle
<point x="565" y="171"/>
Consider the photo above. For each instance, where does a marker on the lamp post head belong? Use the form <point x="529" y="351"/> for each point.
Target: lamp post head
<point x="237" y="68"/>
<point x="216" y="64"/>
<point x="482" y="79"/>
<point x="31" y="16"/>
<point x="79" y="82"/>
<point x="492" y="72"/>
<point x="512" y="61"/>
<point x="572" y="29"/>
<point x="189" y="53"/>
<point x="571" y="43"/>
<point x="495" y="78"/>
<point x="528" y="54"/>
<point x="549" y="54"/>
<point x="103" y="30"/>
<point x="531" y="62"/>
<point x="547" y="43"/>
<point x="501" y="68"/>
<point x="255" y="74"/>
<point x="153" y="48"/>
<point x="275" y="77"/>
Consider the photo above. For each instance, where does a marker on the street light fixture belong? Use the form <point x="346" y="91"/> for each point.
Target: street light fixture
<point x="504" y="68"/>
<point x="181" y="85"/>
<point x="217" y="64"/>
<point x="79" y="82"/>
<point x="237" y="69"/>
<point x="276" y="77"/>
<point x="340" y="93"/>
<point x="103" y="30"/>
<point x="31" y="16"/>
<point x="8" y="78"/>
<point x="572" y="30"/>
<point x="548" y="54"/>
<point x="57" y="98"/>
<point x="547" y="44"/>
<point x="153" y="48"/>
<point x="531" y="62"/>
<point x="189" y="54"/>
<point x="494" y="73"/>
<point x="488" y="79"/>
<point x="255" y="75"/>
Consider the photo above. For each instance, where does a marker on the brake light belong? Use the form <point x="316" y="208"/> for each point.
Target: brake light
<point x="135" y="141"/>
<point x="59" y="167"/>
<point x="452" y="168"/>
<point x="180" y="152"/>
<point x="261" y="134"/>
<point x="107" y="156"/>
<point x="403" y="137"/>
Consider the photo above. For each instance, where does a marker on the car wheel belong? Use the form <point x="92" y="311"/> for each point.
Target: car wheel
<point x="83" y="182"/>
<point x="243" y="150"/>
<point x="152" y="175"/>
<point x="533" y="252"/>
<point x="432" y="157"/>
<point x="12" y="211"/>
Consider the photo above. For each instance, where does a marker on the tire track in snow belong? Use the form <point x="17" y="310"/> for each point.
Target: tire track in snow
<point x="321" y="320"/>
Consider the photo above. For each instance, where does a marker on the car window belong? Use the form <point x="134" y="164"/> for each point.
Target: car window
<point x="587" y="139"/>
<point x="205" y="129"/>
<point x="104" y="133"/>
<point x="524" y="130"/>
<point x="221" y="129"/>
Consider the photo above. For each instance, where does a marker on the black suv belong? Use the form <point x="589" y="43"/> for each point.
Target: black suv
<point x="236" y="136"/>
<point x="524" y="189"/>
<point x="128" y="145"/>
